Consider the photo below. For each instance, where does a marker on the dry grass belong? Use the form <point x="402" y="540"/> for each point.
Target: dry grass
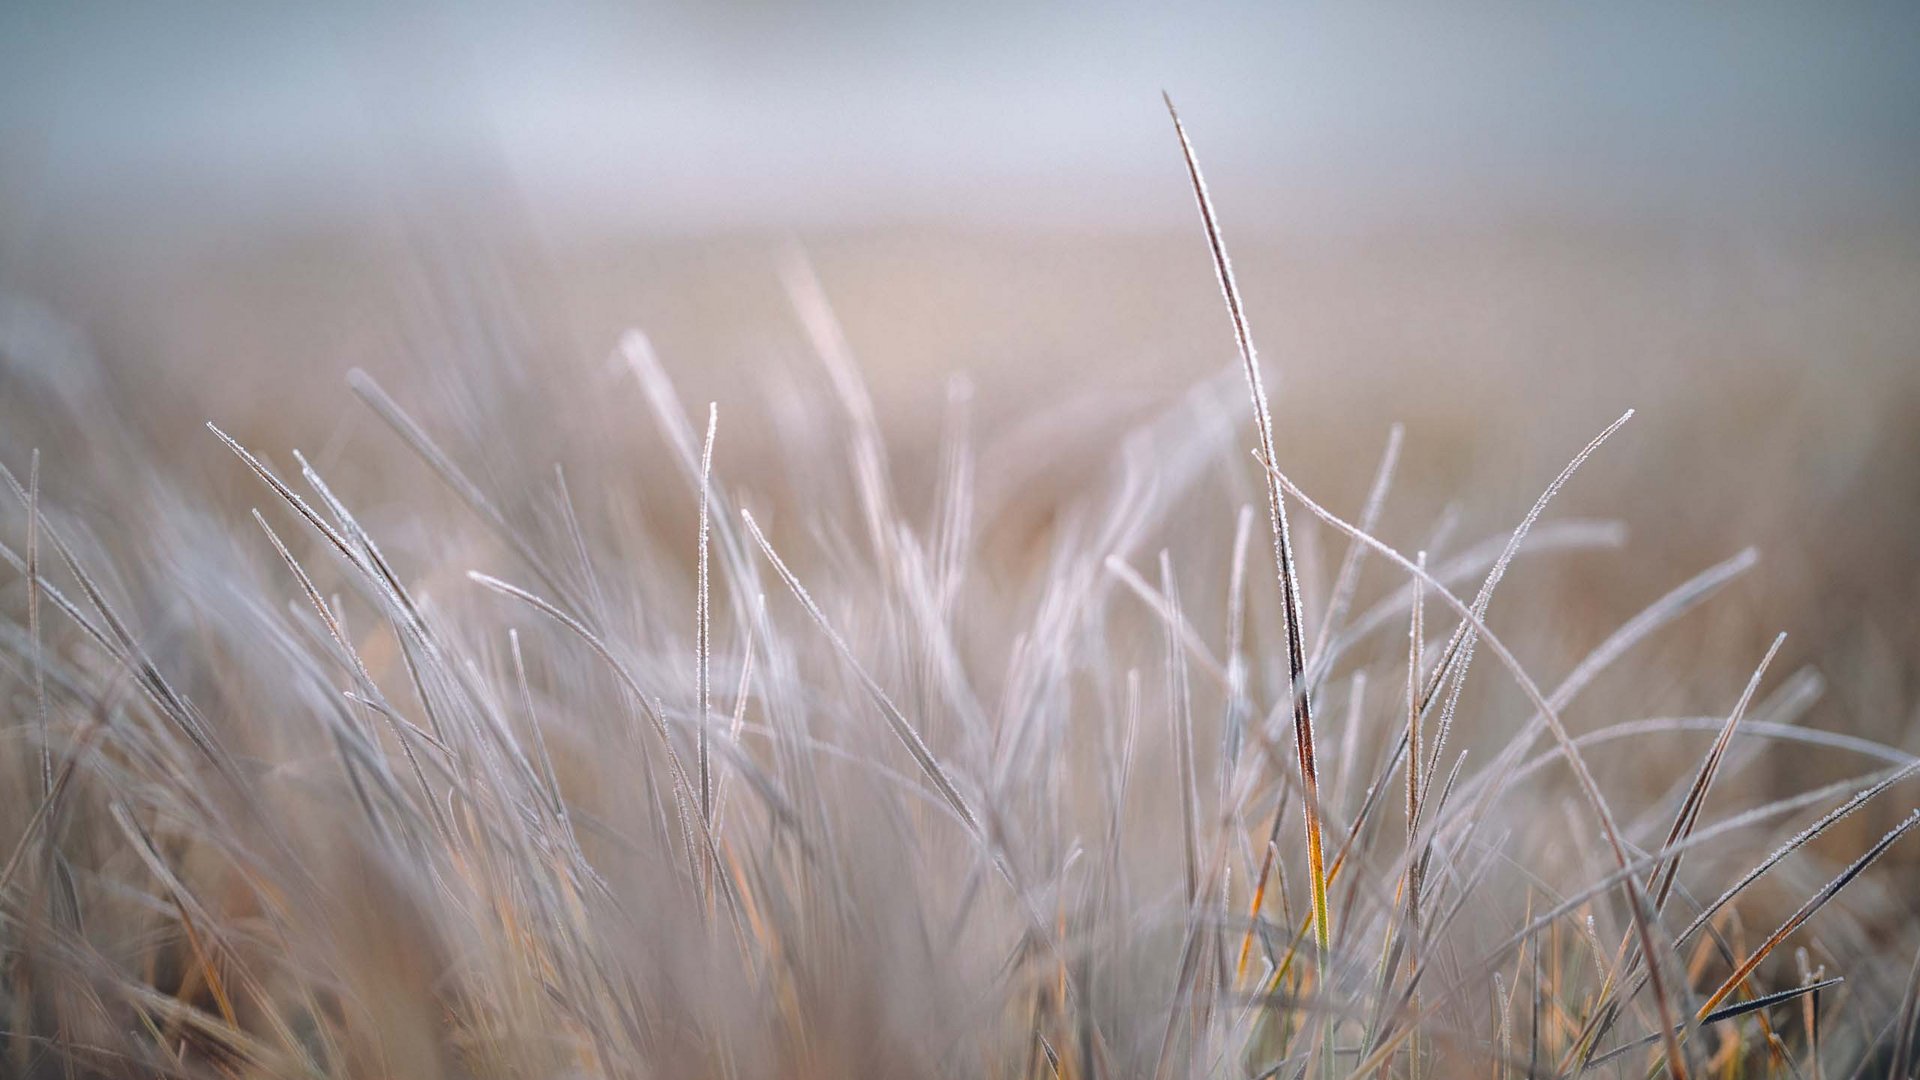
<point x="448" y="762"/>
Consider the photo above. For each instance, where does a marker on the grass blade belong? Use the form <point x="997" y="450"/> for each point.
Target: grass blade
<point x="1282" y="546"/>
<point x="1814" y="903"/>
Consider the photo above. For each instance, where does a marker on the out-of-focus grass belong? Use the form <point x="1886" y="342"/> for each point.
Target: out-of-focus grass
<point x="455" y="851"/>
<point x="1776" y="376"/>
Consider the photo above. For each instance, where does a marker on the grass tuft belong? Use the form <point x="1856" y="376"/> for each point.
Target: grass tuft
<point x="406" y="772"/>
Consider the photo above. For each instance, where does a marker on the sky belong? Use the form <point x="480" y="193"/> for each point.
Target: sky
<point x="688" y="117"/>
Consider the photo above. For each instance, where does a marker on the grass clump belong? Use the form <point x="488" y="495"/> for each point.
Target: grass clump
<point x="518" y="785"/>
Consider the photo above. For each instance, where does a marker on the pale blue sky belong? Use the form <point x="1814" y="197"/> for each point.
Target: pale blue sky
<point x="760" y="114"/>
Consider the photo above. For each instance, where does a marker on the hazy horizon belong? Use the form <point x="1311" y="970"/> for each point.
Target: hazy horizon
<point x="685" y="118"/>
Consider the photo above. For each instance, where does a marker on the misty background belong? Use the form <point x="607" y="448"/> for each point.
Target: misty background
<point x="687" y="117"/>
<point x="1502" y="224"/>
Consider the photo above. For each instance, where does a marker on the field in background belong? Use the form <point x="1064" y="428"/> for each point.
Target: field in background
<point x="1776" y="381"/>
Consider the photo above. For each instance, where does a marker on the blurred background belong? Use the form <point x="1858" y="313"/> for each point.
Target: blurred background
<point x="1502" y="224"/>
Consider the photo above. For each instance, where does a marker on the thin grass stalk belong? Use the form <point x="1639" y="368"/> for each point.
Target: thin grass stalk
<point x="33" y="625"/>
<point x="1282" y="553"/>
<point x="703" y="629"/>
<point x="1414" y="639"/>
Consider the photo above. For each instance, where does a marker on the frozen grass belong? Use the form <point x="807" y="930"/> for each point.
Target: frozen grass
<point x="517" y="785"/>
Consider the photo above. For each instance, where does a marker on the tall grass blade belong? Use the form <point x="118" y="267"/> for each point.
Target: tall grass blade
<point x="1298" y="688"/>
